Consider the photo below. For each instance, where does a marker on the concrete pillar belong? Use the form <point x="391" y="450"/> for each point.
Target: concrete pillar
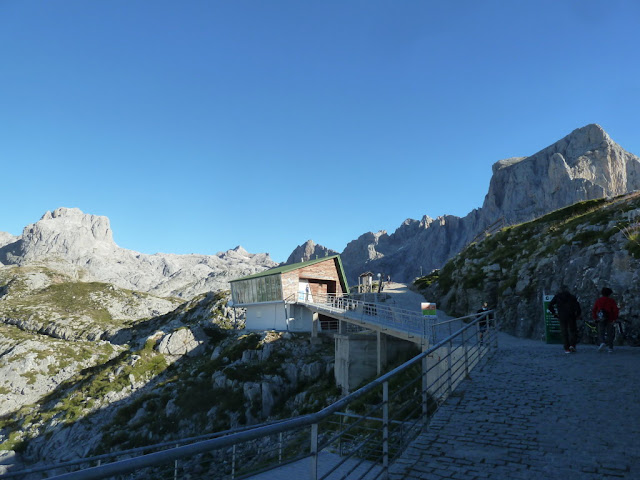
<point x="381" y="343"/>
<point x="360" y="357"/>
<point x="314" y="325"/>
<point x="356" y="360"/>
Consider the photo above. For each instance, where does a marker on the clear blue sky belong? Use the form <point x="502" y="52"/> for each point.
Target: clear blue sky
<point x="196" y="126"/>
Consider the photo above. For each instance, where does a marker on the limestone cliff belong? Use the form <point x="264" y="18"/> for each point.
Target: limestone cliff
<point x="586" y="164"/>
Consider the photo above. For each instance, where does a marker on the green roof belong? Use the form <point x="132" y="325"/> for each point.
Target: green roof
<point x="295" y="266"/>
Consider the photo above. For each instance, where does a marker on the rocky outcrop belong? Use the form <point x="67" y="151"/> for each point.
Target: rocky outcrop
<point x="184" y="341"/>
<point x="309" y="251"/>
<point x="584" y="165"/>
<point x="81" y="245"/>
<point x="180" y="384"/>
<point x="33" y="365"/>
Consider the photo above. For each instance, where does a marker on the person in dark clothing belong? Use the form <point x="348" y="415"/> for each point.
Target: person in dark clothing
<point x="482" y="323"/>
<point x="565" y="307"/>
<point x="605" y="312"/>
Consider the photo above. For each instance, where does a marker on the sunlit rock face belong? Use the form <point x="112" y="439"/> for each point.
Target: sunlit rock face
<point x="81" y="245"/>
<point x="584" y="165"/>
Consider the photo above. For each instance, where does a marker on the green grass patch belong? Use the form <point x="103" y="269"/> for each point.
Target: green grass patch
<point x="424" y="282"/>
<point x="633" y="245"/>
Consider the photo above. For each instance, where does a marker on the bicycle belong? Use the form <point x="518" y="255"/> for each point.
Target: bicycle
<point x="589" y="329"/>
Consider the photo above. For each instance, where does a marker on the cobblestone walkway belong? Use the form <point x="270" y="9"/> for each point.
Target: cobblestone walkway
<point x="534" y="412"/>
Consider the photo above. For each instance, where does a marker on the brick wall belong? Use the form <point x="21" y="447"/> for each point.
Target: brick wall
<point x="318" y="275"/>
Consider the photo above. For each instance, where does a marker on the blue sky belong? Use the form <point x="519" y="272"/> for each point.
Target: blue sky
<point x="196" y="126"/>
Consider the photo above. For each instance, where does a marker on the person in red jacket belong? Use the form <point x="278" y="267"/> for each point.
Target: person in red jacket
<point x="605" y="312"/>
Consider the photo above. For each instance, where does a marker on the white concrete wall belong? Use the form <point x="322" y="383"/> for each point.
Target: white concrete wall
<point x="301" y="319"/>
<point x="266" y="316"/>
<point x="272" y="316"/>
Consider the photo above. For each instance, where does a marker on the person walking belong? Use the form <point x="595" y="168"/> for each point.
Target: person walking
<point x="482" y="323"/>
<point x="565" y="307"/>
<point x="605" y="312"/>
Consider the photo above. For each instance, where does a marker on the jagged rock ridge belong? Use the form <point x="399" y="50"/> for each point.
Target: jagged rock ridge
<point x="309" y="251"/>
<point x="82" y="245"/>
<point x="586" y="164"/>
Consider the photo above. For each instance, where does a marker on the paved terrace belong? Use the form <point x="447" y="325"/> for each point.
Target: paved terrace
<point x="534" y="412"/>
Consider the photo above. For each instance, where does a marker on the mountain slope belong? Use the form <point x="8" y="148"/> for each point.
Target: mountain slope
<point x="586" y="246"/>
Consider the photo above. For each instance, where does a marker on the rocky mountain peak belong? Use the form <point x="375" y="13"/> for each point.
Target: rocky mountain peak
<point x="309" y="251"/>
<point x="81" y="246"/>
<point x="240" y="250"/>
<point x="63" y="212"/>
<point x="73" y="223"/>
<point x="66" y="234"/>
<point x="584" y="165"/>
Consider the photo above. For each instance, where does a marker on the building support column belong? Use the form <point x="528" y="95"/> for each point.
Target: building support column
<point x="314" y="326"/>
<point x="381" y="354"/>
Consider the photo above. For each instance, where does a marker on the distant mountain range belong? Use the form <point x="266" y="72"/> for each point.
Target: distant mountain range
<point x="586" y="164"/>
<point x="81" y="245"/>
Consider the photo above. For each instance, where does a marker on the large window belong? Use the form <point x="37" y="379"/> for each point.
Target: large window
<point x="254" y="290"/>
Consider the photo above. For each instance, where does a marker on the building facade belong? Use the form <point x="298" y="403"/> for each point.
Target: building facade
<point x="274" y="299"/>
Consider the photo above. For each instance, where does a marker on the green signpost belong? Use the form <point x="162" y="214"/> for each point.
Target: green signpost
<point x="551" y="324"/>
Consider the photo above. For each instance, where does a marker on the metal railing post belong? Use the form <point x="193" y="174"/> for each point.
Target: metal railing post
<point x="466" y="355"/>
<point x="314" y="452"/>
<point x="385" y="430"/>
<point x="233" y="463"/>
<point x="425" y="387"/>
<point x="280" y="448"/>
<point x="433" y="333"/>
<point x="449" y="380"/>
<point x="175" y="467"/>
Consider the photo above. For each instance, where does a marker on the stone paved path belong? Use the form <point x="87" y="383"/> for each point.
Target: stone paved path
<point x="534" y="412"/>
<point x="403" y="297"/>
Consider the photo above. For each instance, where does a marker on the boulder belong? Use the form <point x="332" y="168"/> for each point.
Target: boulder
<point x="184" y="341"/>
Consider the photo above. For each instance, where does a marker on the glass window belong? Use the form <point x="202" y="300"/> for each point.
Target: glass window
<point x="261" y="289"/>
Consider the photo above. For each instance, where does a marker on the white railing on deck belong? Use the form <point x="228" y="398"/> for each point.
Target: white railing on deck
<point x="375" y="314"/>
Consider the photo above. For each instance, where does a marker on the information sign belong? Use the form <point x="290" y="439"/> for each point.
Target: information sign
<point x="551" y="324"/>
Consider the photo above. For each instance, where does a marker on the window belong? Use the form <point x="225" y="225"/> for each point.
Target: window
<point x="254" y="290"/>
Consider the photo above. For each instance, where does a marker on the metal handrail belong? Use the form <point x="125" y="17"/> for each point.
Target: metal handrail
<point x="433" y="384"/>
<point x="371" y="313"/>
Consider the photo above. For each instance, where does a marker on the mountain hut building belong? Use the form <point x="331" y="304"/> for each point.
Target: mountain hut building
<point x="270" y="297"/>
